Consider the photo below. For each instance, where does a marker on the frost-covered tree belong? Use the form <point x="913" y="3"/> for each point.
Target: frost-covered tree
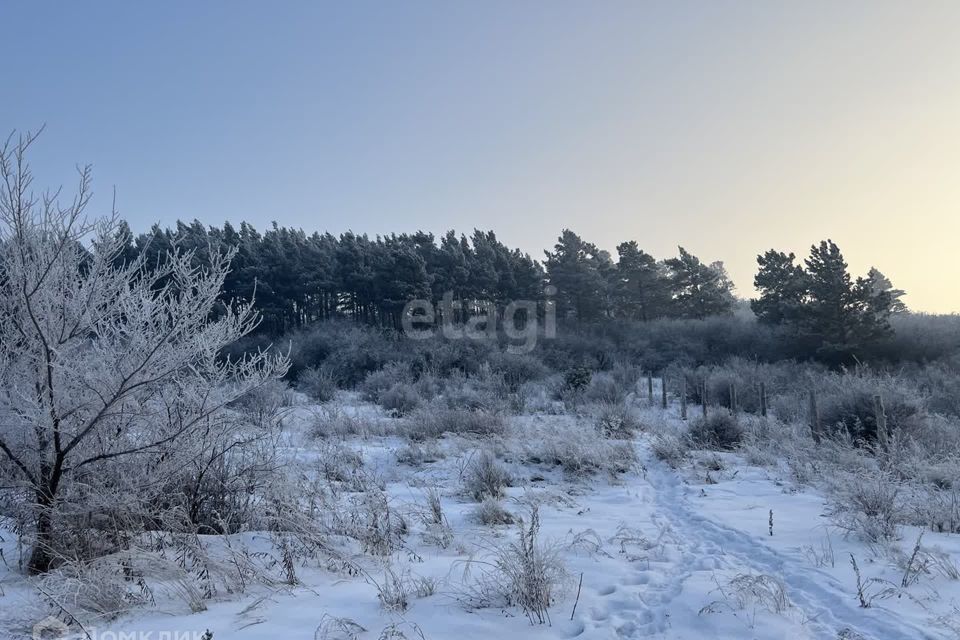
<point x="101" y="359"/>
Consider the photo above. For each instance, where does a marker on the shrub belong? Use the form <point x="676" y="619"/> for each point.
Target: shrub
<point x="375" y="524"/>
<point x="938" y="509"/>
<point x="428" y="386"/>
<point x="393" y="592"/>
<point x="379" y="382"/>
<point x="490" y="512"/>
<point x="332" y="422"/>
<point x="417" y="455"/>
<point x="517" y="369"/>
<point x="603" y="387"/>
<point x="579" y="452"/>
<point x="400" y="399"/>
<point x="539" y="397"/>
<point x="436" y="528"/>
<point x="617" y="421"/>
<point x="670" y="449"/>
<point x="851" y="408"/>
<point x="719" y="430"/>
<point x="317" y="382"/>
<point x="264" y="403"/>
<point x="434" y="422"/>
<point x="485" y="478"/>
<point x="577" y="379"/>
<point x="351" y="352"/>
<point x="485" y="391"/>
<point x="867" y="505"/>
<point x="527" y="574"/>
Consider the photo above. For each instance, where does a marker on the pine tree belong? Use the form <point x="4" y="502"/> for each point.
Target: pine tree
<point x="577" y="269"/>
<point x="839" y="316"/>
<point x="887" y="299"/>
<point x="783" y="288"/>
<point x="699" y="290"/>
<point x="641" y="288"/>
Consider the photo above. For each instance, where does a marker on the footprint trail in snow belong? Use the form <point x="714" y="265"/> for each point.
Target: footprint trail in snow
<point x="694" y="546"/>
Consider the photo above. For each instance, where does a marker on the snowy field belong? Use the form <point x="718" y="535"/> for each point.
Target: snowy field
<point x="714" y="548"/>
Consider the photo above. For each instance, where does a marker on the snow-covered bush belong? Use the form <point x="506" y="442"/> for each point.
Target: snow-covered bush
<point x="264" y="403"/>
<point x="379" y="382"/>
<point x="626" y="376"/>
<point x="606" y="389"/>
<point x="393" y="591"/>
<point x="485" y="391"/>
<point x="528" y="574"/>
<point x="617" y="421"/>
<point x="490" y="512"/>
<point x="578" y="451"/>
<point x="428" y="386"/>
<point x="417" y="454"/>
<point x="517" y="369"/>
<point x="577" y="379"/>
<point x="433" y="422"/>
<point x="936" y="508"/>
<point x="349" y="351"/>
<point x="752" y="591"/>
<point x="485" y="478"/>
<point x="540" y="397"/>
<point x="719" y="430"/>
<point x="343" y="468"/>
<point x="400" y="399"/>
<point x="331" y="421"/>
<point x="670" y="449"/>
<point x="436" y="528"/>
<point x="371" y="520"/>
<point x="318" y="382"/>
<point x="868" y="506"/>
<point x="850" y="407"/>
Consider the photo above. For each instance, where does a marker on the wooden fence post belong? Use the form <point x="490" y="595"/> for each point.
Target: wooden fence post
<point x="880" y="414"/>
<point x="683" y="397"/>
<point x="733" y="398"/>
<point x="814" y="417"/>
<point x="703" y="399"/>
<point x="650" y="387"/>
<point x="663" y="391"/>
<point x="763" y="400"/>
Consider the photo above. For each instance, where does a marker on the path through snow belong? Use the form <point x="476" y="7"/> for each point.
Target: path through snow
<point x="650" y="601"/>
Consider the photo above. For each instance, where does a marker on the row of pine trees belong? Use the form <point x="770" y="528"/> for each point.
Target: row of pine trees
<point x="297" y="278"/>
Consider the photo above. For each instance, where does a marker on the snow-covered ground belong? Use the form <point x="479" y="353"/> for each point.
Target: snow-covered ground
<point x="653" y="553"/>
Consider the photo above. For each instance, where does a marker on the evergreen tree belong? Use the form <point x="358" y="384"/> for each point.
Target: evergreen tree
<point x="577" y="269"/>
<point x="640" y="289"/>
<point x="699" y="290"/>
<point x="783" y="288"/>
<point x="839" y="316"/>
<point x="884" y="294"/>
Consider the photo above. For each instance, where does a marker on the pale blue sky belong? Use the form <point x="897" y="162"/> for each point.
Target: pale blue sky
<point x="729" y="127"/>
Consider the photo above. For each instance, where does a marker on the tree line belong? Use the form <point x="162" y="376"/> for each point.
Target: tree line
<point x="297" y="278"/>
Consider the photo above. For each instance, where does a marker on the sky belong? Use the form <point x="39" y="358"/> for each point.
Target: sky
<point x="726" y="127"/>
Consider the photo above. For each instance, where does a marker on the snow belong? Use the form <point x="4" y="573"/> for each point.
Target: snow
<point x="660" y="551"/>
